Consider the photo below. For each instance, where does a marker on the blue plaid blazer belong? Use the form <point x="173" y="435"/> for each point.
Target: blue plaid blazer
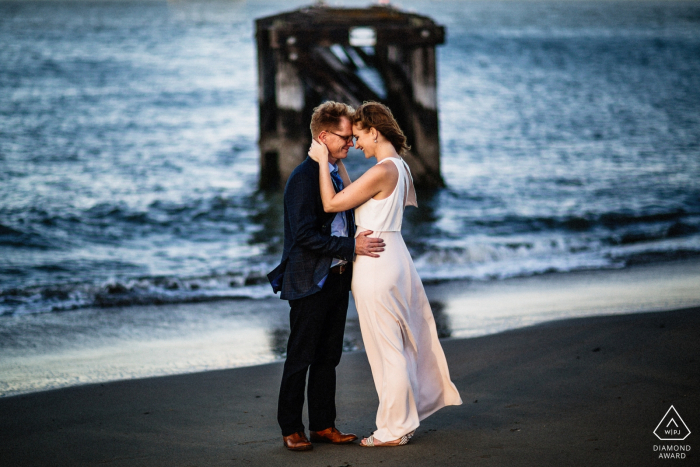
<point x="309" y="246"/>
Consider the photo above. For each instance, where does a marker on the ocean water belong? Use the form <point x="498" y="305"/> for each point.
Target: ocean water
<point x="570" y="135"/>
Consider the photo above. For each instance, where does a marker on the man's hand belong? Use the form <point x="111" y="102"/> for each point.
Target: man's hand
<point x="364" y="245"/>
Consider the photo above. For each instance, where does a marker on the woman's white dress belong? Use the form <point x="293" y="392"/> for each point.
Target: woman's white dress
<point x="398" y="329"/>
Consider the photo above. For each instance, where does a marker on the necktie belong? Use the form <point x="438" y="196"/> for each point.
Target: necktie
<point x="337" y="181"/>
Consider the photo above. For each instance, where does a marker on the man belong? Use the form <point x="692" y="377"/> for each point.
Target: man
<point x="315" y="276"/>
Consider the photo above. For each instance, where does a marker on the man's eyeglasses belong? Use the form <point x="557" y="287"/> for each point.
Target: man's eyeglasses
<point x="346" y="138"/>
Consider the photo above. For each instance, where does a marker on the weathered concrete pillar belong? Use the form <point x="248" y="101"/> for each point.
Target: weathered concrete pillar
<point x="412" y="96"/>
<point x="283" y="141"/>
<point x="314" y="54"/>
<point x="426" y="139"/>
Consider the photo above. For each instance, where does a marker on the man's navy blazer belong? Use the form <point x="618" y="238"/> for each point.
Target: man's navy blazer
<point x="309" y="247"/>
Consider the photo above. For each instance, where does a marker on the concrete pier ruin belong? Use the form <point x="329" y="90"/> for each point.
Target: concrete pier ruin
<point x="351" y="55"/>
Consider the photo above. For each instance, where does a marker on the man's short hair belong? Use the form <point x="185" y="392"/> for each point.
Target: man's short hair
<point x="328" y="115"/>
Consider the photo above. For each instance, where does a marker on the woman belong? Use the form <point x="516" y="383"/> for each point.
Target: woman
<point x="398" y="329"/>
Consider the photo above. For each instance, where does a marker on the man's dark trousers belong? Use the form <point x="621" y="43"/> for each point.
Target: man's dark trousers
<point x="317" y="324"/>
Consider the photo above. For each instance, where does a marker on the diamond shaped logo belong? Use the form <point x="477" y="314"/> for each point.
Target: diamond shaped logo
<point x="672" y="427"/>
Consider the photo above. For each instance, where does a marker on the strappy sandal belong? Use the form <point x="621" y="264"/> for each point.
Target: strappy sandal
<point x="369" y="442"/>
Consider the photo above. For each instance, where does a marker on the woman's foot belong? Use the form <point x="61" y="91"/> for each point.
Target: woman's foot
<point x="373" y="442"/>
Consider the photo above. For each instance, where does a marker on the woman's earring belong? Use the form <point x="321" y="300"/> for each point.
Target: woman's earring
<point x="375" y="140"/>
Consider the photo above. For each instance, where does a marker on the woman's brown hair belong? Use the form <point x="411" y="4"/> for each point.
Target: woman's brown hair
<point x="378" y="116"/>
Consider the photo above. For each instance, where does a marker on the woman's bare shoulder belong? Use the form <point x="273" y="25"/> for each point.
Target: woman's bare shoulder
<point x="390" y="170"/>
<point x="384" y="176"/>
<point x="387" y="168"/>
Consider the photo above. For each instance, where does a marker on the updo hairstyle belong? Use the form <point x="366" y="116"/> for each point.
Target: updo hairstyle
<point x="378" y="116"/>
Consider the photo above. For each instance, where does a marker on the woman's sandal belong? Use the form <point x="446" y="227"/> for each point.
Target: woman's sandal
<point x="370" y="442"/>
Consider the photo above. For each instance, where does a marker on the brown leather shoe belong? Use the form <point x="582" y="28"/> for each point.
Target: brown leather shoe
<point x="297" y="442"/>
<point x="331" y="435"/>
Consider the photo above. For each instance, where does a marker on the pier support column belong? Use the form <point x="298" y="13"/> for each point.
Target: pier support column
<point x="318" y="53"/>
<point x="426" y="138"/>
<point x="284" y="138"/>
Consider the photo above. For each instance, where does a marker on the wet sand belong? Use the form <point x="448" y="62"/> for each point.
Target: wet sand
<point x="583" y="391"/>
<point x="53" y="350"/>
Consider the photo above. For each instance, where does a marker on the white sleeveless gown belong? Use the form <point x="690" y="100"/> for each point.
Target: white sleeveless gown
<point x="398" y="329"/>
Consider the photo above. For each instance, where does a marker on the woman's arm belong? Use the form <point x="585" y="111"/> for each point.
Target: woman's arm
<point x="319" y="153"/>
<point x="342" y="171"/>
<point x="365" y="187"/>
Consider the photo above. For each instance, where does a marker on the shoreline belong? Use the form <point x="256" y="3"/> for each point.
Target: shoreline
<point x="579" y="391"/>
<point x="49" y="351"/>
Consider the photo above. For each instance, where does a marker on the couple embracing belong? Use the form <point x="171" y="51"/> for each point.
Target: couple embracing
<point x="341" y="235"/>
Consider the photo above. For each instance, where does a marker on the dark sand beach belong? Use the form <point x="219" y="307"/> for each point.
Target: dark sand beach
<point x="585" y="391"/>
